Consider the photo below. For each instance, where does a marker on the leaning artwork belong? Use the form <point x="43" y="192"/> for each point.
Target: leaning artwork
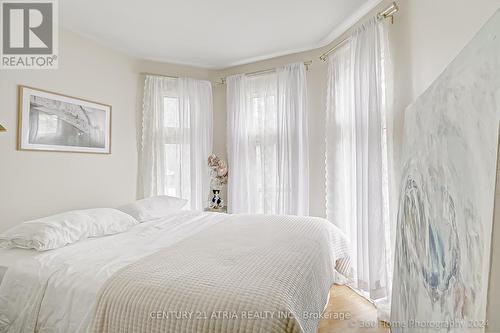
<point x="447" y="194"/>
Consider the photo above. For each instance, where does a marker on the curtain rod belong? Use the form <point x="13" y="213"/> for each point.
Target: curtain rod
<point x="386" y="13"/>
<point x="160" y="75"/>
<point x="223" y="80"/>
<point x="168" y="76"/>
<point x="264" y="71"/>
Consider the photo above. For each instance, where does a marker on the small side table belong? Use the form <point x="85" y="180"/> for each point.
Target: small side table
<point x="216" y="210"/>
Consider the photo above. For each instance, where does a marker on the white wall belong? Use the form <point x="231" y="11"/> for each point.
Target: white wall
<point x="36" y="184"/>
<point x="435" y="31"/>
<point x="427" y="36"/>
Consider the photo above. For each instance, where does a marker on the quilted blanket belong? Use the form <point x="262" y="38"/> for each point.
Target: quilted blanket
<point x="248" y="273"/>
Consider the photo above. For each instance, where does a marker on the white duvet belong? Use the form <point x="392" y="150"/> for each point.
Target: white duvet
<point x="56" y="291"/>
<point x="67" y="280"/>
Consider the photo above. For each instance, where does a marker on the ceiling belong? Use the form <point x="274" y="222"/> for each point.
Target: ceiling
<point x="212" y="33"/>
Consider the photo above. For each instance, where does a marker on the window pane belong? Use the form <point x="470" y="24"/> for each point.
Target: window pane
<point x="171" y="124"/>
<point x="177" y="149"/>
<point x="263" y="132"/>
<point x="172" y="154"/>
<point x="171" y="115"/>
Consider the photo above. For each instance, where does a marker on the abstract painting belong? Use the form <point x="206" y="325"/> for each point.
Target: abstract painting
<point x="50" y="121"/>
<point x="447" y="192"/>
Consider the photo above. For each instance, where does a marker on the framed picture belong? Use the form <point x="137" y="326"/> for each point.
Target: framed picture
<point x="54" y="122"/>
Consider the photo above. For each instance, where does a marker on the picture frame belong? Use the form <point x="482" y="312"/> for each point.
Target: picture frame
<point x="49" y="121"/>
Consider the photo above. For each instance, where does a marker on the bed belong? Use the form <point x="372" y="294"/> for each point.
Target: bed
<point x="186" y="272"/>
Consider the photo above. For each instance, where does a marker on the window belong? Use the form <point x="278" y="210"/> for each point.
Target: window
<point x="268" y="148"/>
<point x="262" y="134"/>
<point x="177" y="138"/>
<point x="171" y="117"/>
<point x="176" y="149"/>
<point x="263" y="139"/>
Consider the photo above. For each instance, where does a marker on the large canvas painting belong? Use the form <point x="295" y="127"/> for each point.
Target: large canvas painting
<point x="50" y="121"/>
<point x="447" y="194"/>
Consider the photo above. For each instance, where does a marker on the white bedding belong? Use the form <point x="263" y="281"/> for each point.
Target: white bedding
<point x="62" y="285"/>
<point x="10" y="257"/>
<point x="69" y="278"/>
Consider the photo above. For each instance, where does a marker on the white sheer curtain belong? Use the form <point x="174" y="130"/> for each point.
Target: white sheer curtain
<point x="268" y="142"/>
<point x="177" y="138"/>
<point x="359" y="152"/>
<point x="293" y="141"/>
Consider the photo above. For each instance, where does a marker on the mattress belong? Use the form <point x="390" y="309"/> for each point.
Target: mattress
<point x="59" y="290"/>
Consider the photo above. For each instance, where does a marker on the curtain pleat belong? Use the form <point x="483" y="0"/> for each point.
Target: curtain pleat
<point x="268" y="142"/>
<point x="358" y="154"/>
<point x="174" y="155"/>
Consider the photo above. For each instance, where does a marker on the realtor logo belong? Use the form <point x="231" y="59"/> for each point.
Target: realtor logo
<point x="28" y="34"/>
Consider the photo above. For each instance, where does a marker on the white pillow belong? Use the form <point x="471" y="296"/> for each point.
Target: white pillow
<point x="153" y="208"/>
<point x="56" y="231"/>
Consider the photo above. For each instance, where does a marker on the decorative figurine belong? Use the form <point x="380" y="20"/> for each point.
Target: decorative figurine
<point x="216" y="200"/>
<point x="219" y="174"/>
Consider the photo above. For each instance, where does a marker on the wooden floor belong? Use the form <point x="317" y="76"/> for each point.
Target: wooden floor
<point x="347" y="312"/>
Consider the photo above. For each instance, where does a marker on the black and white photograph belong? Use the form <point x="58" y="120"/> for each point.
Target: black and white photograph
<point x="56" y="122"/>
